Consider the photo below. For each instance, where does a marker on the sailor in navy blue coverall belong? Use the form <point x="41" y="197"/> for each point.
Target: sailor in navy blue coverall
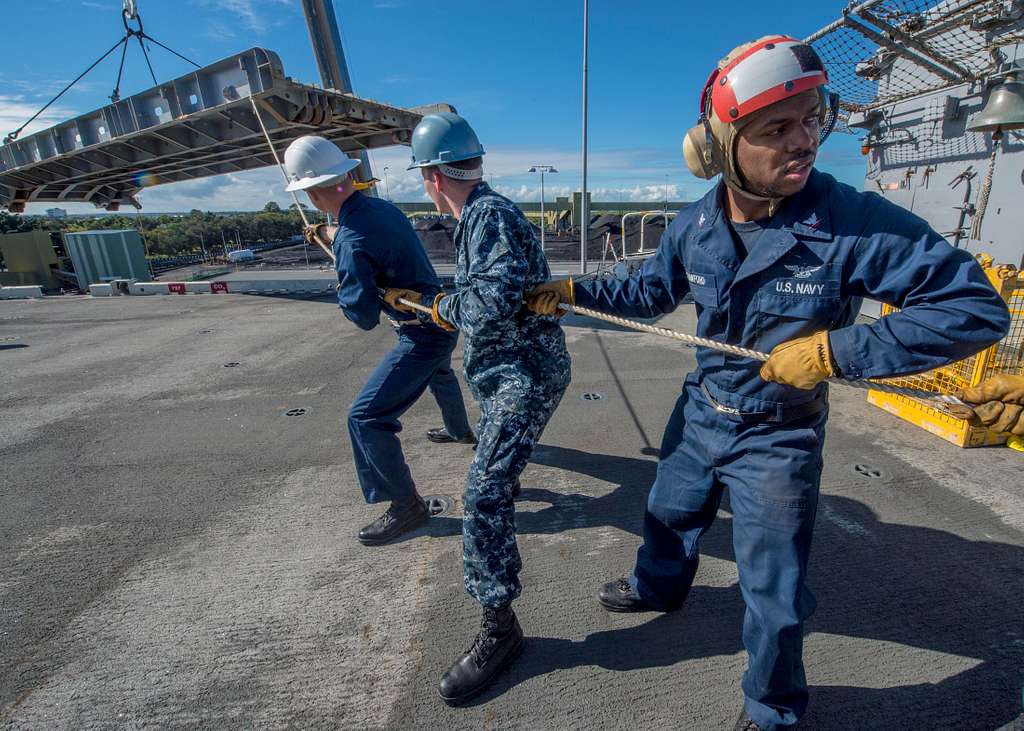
<point x="777" y="257"/>
<point x="828" y="247"/>
<point x="376" y="247"/>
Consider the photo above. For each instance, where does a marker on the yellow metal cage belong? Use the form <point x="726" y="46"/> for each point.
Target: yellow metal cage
<point x="1006" y="356"/>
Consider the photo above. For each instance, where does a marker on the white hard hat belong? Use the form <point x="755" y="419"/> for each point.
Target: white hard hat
<point x="314" y="162"/>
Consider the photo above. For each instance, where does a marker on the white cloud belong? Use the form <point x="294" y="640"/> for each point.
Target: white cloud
<point x="531" y="194"/>
<point x="14" y="110"/>
<point x="613" y="176"/>
<point x="250" y="12"/>
<point x="244" y="191"/>
<point x="653" y="192"/>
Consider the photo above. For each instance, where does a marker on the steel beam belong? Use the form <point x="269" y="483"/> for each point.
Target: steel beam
<point x="192" y="127"/>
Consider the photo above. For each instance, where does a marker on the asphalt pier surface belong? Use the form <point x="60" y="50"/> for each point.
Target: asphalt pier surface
<point x="178" y="514"/>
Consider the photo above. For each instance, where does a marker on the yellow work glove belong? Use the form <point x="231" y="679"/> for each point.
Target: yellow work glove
<point x="437" y="317"/>
<point x="545" y="298"/>
<point x="320" y="234"/>
<point x="801" y="363"/>
<point x="391" y="297"/>
<point x="999" y="403"/>
<point x="545" y="303"/>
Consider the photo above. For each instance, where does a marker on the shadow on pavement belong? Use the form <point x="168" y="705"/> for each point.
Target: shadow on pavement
<point x="909" y="585"/>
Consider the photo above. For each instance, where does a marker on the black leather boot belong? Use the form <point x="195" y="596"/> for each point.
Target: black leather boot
<point x="401" y="517"/>
<point x="619" y="596"/>
<point x="440" y="435"/>
<point x="497" y="644"/>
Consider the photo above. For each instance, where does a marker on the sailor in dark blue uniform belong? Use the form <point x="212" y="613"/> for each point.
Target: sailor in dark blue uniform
<point x="778" y="258"/>
<point x="375" y="247"/>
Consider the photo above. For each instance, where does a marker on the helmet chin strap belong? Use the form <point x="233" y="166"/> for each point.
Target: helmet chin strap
<point x="734" y="180"/>
<point x="724" y="143"/>
<point x="719" y="148"/>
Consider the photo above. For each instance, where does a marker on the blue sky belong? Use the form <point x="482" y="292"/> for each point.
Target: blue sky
<point x="512" y="68"/>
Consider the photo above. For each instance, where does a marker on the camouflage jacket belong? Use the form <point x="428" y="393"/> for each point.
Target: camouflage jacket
<point x="498" y="259"/>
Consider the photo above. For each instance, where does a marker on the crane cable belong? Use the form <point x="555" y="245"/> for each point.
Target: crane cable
<point x="139" y="34"/>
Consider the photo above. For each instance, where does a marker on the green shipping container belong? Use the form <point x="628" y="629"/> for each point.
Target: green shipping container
<point x="100" y="256"/>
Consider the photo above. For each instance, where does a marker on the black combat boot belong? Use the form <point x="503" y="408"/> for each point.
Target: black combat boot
<point x="620" y="596"/>
<point x="440" y="435"/>
<point x="401" y="517"/>
<point x="497" y="644"/>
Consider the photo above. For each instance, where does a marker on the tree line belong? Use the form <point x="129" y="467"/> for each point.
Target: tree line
<point x="177" y="235"/>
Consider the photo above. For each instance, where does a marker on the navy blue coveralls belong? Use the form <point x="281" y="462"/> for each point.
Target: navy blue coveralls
<point x="828" y="247"/>
<point x="376" y="247"/>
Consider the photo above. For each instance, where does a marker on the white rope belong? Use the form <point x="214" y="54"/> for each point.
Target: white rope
<point x="937" y="398"/>
<point x="986" y="189"/>
<point x="284" y="174"/>
<point x="416" y="306"/>
<point x="273" y="152"/>
<point x="664" y="332"/>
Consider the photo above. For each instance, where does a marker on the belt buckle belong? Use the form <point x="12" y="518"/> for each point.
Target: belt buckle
<point x="726" y="409"/>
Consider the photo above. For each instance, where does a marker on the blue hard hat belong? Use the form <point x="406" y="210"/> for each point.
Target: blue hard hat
<point x="442" y="138"/>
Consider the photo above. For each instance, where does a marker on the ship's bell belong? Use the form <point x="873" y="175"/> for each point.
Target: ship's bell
<point x="1004" y="110"/>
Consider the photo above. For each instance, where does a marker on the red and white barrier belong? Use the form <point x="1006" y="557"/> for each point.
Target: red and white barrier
<point x="254" y="286"/>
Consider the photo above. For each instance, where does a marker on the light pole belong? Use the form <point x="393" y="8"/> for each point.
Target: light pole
<point x="387" y="190"/>
<point x="542" y="169"/>
<point x="584" y="203"/>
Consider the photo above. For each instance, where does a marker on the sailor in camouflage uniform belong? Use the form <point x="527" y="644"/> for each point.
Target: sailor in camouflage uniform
<point x="517" y="367"/>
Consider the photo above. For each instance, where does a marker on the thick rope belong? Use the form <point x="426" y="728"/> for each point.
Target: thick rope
<point x="937" y="398"/>
<point x="986" y="189"/>
<point x="664" y="332"/>
<point x="284" y="174"/>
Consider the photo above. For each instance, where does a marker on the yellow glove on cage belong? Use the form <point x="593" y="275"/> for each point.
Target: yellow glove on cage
<point x="802" y="362"/>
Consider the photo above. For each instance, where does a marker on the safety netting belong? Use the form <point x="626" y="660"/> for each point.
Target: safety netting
<point x="882" y="51"/>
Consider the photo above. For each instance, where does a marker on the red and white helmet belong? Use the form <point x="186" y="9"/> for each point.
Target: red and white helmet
<point x="770" y="70"/>
<point x="752" y="77"/>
